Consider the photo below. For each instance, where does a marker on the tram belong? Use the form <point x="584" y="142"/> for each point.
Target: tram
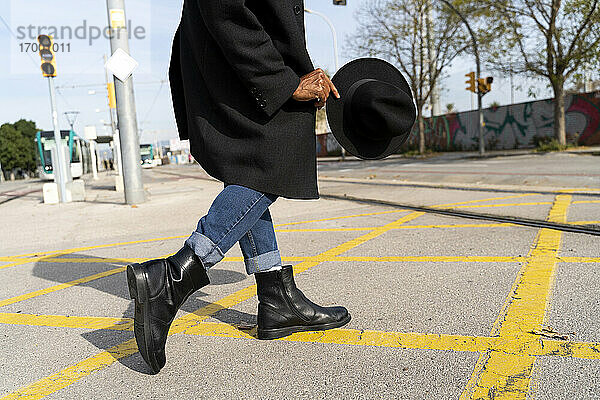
<point x="80" y="158"/>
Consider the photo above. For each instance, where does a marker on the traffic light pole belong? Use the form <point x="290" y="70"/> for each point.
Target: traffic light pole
<point x="59" y="165"/>
<point x="126" y="114"/>
<point x="479" y="94"/>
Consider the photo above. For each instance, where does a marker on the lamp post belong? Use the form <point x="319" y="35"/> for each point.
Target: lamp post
<point x="335" y="48"/>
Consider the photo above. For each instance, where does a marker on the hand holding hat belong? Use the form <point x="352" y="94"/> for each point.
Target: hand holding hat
<point x="375" y="113"/>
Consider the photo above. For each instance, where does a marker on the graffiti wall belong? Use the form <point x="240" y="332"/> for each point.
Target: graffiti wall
<point x="515" y="126"/>
<point x="506" y="127"/>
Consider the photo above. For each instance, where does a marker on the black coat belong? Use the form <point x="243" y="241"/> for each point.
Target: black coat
<point x="234" y="67"/>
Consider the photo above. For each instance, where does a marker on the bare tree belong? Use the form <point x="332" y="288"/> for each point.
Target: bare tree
<point x="398" y="31"/>
<point x="552" y="39"/>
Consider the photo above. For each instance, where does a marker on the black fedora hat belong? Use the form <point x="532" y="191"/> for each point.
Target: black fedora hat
<point x="375" y="112"/>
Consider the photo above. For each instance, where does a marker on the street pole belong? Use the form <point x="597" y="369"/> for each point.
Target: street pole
<point x="113" y="125"/>
<point x="127" y="121"/>
<point x="335" y="49"/>
<point x="478" y="76"/>
<point x="59" y="165"/>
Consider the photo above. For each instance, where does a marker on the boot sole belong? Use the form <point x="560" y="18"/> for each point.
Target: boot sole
<point x="138" y="291"/>
<point x="270" y="334"/>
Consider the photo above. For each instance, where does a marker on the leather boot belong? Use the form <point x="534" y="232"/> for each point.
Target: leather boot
<point x="159" y="287"/>
<point x="283" y="309"/>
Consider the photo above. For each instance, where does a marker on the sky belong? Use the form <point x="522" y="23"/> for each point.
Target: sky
<point x="80" y="65"/>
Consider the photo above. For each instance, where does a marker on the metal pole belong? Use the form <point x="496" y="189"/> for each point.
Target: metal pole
<point x="126" y="114"/>
<point x="478" y="75"/>
<point x="59" y="165"/>
<point x="335" y="46"/>
<point x="94" y="160"/>
<point x="113" y="125"/>
<point x="335" y="49"/>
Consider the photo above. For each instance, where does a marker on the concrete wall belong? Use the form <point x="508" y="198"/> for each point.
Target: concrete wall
<point x="515" y="126"/>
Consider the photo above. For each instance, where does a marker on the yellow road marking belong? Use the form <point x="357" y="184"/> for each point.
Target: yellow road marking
<point x="14" y="264"/>
<point x="579" y="190"/>
<point x="515" y="196"/>
<point x="370" y="228"/>
<point x="408" y="340"/>
<point x="341" y="217"/>
<point x="579" y="259"/>
<point x="504" y="373"/>
<point x="506" y="205"/>
<point x="583" y="222"/>
<point x="61" y="286"/>
<point x="586" y="202"/>
<point x="62" y="321"/>
<point x="71" y="374"/>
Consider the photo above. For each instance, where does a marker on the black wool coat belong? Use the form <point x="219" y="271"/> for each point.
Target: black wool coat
<point x="234" y="67"/>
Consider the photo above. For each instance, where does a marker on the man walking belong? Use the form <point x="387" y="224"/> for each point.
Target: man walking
<point x="245" y="94"/>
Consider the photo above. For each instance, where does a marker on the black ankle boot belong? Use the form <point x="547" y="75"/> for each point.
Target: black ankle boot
<point x="159" y="287"/>
<point x="283" y="309"/>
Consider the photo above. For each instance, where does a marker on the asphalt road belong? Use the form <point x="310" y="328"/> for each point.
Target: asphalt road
<point x="442" y="307"/>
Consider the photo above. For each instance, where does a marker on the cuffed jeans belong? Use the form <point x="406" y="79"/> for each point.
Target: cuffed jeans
<point x="237" y="214"/>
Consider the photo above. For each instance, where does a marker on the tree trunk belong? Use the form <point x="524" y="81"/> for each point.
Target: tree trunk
<point x="421" y="122"/>
<point x="559" y="113"/>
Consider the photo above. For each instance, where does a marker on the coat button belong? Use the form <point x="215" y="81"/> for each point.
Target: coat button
<point x="297" y="9"/>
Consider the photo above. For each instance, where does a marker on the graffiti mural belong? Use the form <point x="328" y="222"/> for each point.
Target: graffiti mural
<point x="506" y="127"/>
<point x="514" y="126"/>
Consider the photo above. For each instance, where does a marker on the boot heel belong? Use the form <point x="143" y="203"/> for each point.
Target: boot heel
<point x="135" y="282"/>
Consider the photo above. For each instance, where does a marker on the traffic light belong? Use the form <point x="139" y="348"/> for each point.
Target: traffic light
<point x="470" y="82"/>
<point x="339" y="2"/>
<point x="485" y="85"/>
<point x="47" y="54"/>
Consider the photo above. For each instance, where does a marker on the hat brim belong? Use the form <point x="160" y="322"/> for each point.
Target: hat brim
<point x="353" y="143"/>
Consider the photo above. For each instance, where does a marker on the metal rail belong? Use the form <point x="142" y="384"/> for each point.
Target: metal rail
<point x="534" y="223"/>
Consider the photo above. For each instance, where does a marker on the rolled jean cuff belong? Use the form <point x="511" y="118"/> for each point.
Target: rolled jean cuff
<point x="263" y="262"/>
<point x="206" y="250"/>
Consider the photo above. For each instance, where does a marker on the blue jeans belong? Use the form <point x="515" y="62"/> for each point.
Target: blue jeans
<point x="237" y="214"/>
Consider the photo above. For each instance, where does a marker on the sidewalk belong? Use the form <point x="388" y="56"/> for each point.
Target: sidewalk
<point x="459" y="155"/>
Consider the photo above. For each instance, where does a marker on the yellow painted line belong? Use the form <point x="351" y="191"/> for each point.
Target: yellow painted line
<point x="91" y="260"/>
<point x="451" y="226"/>
<point x="583" y="222"/>
<point x="482" y="259"/>
<point x="72" y="374"/>
<point x="579" y="259"/>
<point x="62" y="321"/>
<point x="61" y="286"/>
<point x="14" y="264"/>
<point x="590" y="351"/>
<point x="502" y="374"/>
<point x="516" y="196"/>
<point x="410" y="340"/>
<point x="506" y="205"/>
<point x="341" y="217"/>
<point x="370" y="228"/>
<point x="579" y="190"/>
<point x="586" y="202"/>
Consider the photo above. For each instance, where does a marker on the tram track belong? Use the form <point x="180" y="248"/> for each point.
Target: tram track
<point x="529" y="222"/>
<point x="533" y="223"/>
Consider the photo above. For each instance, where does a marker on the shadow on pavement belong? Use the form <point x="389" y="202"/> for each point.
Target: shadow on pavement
<point x="116" y="285"/>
